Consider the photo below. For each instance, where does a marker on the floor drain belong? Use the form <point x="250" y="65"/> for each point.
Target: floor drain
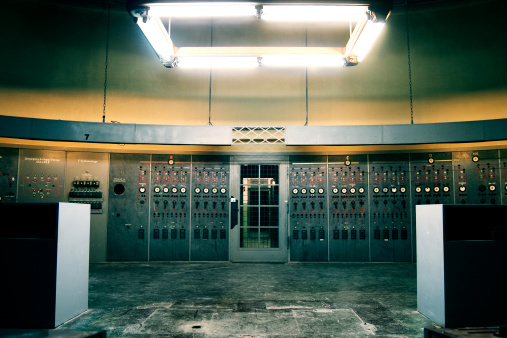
<point x="196" y="327"/>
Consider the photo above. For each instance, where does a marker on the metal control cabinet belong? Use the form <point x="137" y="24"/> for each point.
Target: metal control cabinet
<point x="41" y="176"/>
<point x="461" y="255"/>
<point x="210" y="208"/>
<point x="44" y="261"/>
<point x="128" y="223"/>
<point x="170" y="207"/>
<point x="8" y="174"/>
<point x="477" y="177"/>
<point x="308" y="208"/>
<point x="348" y="209"/>
<point x="390" y="222"/>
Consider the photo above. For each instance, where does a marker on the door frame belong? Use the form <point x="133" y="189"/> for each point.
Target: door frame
<point x="271" y="255"/>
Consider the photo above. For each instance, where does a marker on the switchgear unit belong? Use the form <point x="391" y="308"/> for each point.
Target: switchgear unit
<point x="390" y="222"/>
<point x="308" y="208"/>
<point x="170" y="207"/>
<point x="477" y="177"/>
<point x="8" y="174"/>
<point x="41" y="176"/>
<point x="210" y="208"/>
<point x="348" y="209"/>
<point x="128" y="223"/>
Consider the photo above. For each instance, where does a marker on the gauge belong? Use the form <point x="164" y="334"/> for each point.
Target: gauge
<point x="431" y="160"/>
<point x="295" y="191"/>
<point x="344" y="190"/>
<point x="183" y="190"/>
<point x="312" y="191"/>
<point x="376" y="190"/>
<point x="418" y="189"/>
<point x="352" y="190"/>
<point x="427" y="189"/>
<point x="335" y="190"/>
<point x="462" y="188"/>
<point x="197" y="190"/>
<point x="394" y="190"/>
<point x="475" y="158"/>
<point x="214" y="190"/>
<point x="446" y="189"/>
<point x="321" y="191"/>
<point x="205" y="190"/>
<point x="492" y="188"/>
<point x="156" y="189"/>
<point x="347" y="162"/>
<point x="403" y="190"/>
<point x="165" y="190"/>
<point x="361" y="190"/>
<point x="385" y="190"/>
<point x="436" y="189"/>
<point x="174" y="190"/>
<point x="142" y="190"/>
<point x="222" y="190"/>
<point x="303" y="191"/>
<point x="171" y="162"/>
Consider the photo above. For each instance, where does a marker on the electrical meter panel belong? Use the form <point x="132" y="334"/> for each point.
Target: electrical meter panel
<point x="503" y="176"/>
<point x="41" y="176"/>
<point x="170" y="207"/>
<point x="477" y="177"/>
<point x="128" y="223"/>
<point x="210" y="208"/>
<point x="8" y="174"/>
<point x="308" y="208"/>
<point x="86" y="181"/>
<point x="390" y="212"/>
<point x="348" y="208"/>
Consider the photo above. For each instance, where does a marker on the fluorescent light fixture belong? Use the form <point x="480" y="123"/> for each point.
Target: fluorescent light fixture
<point x="313" y="13"/>
<point x="201" y="10"/>
<point x="216" y="62"/>
<point x="363" y="38"/>
<point x="158" y="37"/>
<point x="308" y="60"/>
<point x="368" y="22"/>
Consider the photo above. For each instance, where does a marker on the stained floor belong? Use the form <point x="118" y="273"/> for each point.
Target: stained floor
<point x="252" y="300"/>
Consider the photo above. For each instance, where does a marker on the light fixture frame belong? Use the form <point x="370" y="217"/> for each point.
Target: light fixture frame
<point x="351" y="54"/>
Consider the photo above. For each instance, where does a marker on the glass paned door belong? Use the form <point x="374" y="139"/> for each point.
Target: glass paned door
<point x="261" y="233"/>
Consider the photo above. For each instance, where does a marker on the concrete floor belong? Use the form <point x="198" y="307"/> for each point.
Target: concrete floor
<point x="252" y="300"/>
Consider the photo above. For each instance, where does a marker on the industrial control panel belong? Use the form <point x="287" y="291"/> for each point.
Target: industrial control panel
<point x="8" y="174"/>
<point x="210" y="208"/>
<point x="348" y="208"/>
<point x="503" y="175"/>
<point x="41" y="176"/>
<point x="170" y="207"/>
<point x="308" y="208"/>
<point x="128" y="222"/>
<point x="477" y="177"/>
<point x="390" y="212"/>
<point x="86" y="181"/>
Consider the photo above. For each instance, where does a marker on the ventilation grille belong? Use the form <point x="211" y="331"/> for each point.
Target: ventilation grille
<point x="258" y="135"/>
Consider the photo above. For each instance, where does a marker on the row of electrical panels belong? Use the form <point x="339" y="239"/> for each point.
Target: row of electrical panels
<point x="158" y="207"/>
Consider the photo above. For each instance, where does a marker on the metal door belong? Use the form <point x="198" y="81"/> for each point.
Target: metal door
<point x="260" y="187"/>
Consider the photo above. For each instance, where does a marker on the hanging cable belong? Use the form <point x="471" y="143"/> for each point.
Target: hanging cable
<point x="210" y="78"/>
<point x="306" y="75"/>
<point x="107" y="57"/>
<point x="409" y="66"/>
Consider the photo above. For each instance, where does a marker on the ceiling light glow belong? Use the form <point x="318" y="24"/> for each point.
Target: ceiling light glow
<point x="158" y="37"/>
<point x="202" y="10"/>
<point x="313" y="13"/>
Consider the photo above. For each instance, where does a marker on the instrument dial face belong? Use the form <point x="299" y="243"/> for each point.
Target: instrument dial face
<point x="347" y="162"/>
<point x="446" y="189"/>
<point x="214" y="190"/>
<point x="475" y="158"/>
<point x="174" y="190"/>
<point x="183" y="190"/>
<point x="385" y="190"/>
<point x="335" y="190"/>
<point x="197" y="190"/>
<point x="352" y="190"/>
<point x="295" y="191"/>
<point x="312" y="191"/>
<point x="376" y="190"/>
<point x="403" y="190"/>
<point x="436" y="189"/>
<point x="142" y="190"/>
<point x="344" y="190"/>
<point x="205" y="190"/>
<point x="156" y="189"/>
<point x="361" y="190"/>
<point x="171" y="162"/>
<point x="418" y="189"/>
<point x="222" y="190"/>
<point x="462" y="188"/>
<point x="427" y="189"/>
<point x="394" y="190"/>
<point x="303" y="191"/>
<point x="431" y="160"/>
<point x="321" y="191"/>
<point x="492" y="188"/>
